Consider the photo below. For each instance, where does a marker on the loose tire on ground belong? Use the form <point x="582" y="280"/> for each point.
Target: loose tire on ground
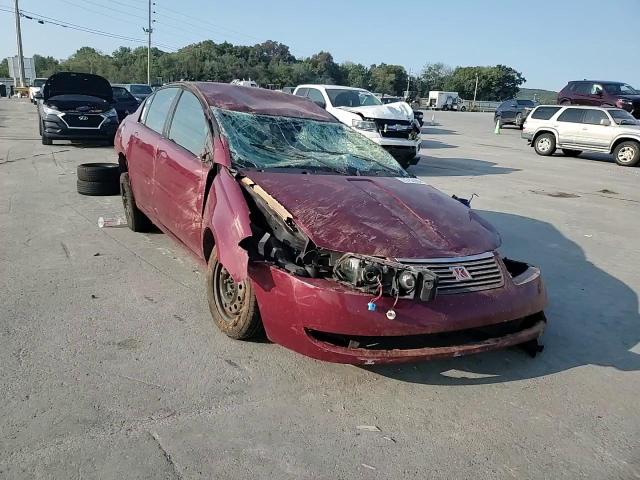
<point x="545" y="144"/>
<point x="136" y="220"/>
<point x="97" y="189"/>
<point x="627" y="154"/>
<point x="99" y="172"/>
<point x="568" y="152"/>
<point x="233" y="306"/>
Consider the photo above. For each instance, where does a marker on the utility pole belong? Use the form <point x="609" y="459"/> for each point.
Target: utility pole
<point x="19" y="40"/>
<point x="475" y="92"/>
<point x="148" y="31"/>
<point x="406" y="94"/>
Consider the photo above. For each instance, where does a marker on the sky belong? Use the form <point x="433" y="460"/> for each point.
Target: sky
<point x="549" y="42"/>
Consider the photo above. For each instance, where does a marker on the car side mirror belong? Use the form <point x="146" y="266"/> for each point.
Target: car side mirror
<point x="605" y="122"/>
<point x="38" y="95"/>
<point x="599" y="92"/>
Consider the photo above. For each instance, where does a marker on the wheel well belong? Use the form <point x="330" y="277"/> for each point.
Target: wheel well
<point x="122" y="161"/>
<point x="208" y="243"/>
<point x="540" y="133"/>
<point x="620" y="140"/>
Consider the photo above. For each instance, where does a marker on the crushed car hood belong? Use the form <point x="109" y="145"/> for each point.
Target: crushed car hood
<point x="71" y="83"/>
<point x="379" y="216"/>
<point x="391" y="111"/>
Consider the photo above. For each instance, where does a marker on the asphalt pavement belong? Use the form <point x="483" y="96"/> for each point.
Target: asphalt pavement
<point x="111" y="366"/>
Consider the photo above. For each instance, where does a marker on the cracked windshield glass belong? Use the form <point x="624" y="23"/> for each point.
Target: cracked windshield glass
<point x="271" y="142"/>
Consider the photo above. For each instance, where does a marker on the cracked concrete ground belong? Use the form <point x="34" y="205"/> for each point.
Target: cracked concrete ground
<point x="112" y="368"/>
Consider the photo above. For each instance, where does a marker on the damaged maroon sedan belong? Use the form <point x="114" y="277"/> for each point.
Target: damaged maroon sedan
<point x="315" y="234"/>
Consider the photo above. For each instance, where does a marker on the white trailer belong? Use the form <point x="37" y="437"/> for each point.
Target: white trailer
<point x="439" y="100"/>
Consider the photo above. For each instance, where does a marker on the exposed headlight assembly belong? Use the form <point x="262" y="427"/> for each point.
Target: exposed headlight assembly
<point x="366" y="125"/>
<point x="49" y="110"/>
<point x="384" y="277"/>
<point x="111" y="113"/>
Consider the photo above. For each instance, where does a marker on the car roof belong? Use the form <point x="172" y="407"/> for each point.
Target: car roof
<point x="581" y="107"/>
<point x="258" y="100"/>
<point x="316" y="85"/>
<point x="598" y="81"/>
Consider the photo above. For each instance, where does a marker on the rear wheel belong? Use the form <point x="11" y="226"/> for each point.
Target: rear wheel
<point x="627" y="154"/>
<point x="519" y="121"/>
<point x="136" y="220"/>
<point x="545" y="144"/>
<point x="571" y="153"/>
<point x="233" y="306"/>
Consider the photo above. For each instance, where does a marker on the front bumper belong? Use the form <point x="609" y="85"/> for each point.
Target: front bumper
<point x="55" y="128"/>
<point x="325" y="320"/>
<point x="526" y="135"/>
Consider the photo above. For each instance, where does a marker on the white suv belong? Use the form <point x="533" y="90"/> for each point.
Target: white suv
<point x="577" y="129"/>
<point x="392" y="126"/>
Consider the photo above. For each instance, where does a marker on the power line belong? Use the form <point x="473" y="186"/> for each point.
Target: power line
<point x="43" y="19"/>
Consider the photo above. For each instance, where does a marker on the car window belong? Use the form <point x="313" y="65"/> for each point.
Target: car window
<point x="620" y="89"/>
<point x="315" y="95"/>
<point x="572" y="115"/>
<point x="121" y="94"/>
<point x="504" y="105"/>
<point x="159" y="109"/>
<point x="595" y="88"/>
<point x="583" y="88"/>
<point x="620" y="116"/>
<point x="141" y="89"/>
<point x="342" y="97"/>
<point x="544" y="113"/>
<point x="302" y="92"/>
<point x="593" y="117"/>
<point x="189" y="127"/>
<point x="525" y="103"/>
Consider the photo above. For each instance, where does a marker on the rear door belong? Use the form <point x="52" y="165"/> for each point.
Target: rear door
<point x="181" y="171"/>
<point x="142" y="149"/>
<point x="593" y="134"/>
<point x="569" y="125"/>
<point x="582" y="93"/>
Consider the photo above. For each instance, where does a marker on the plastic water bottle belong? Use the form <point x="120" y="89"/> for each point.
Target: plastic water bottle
<point x="112" y="222"/>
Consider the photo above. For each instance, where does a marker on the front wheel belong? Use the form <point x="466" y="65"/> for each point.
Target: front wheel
<point x="627" y="154"/>
<point x="136" y="220"/>
<point x="233" y="306"/>
<point x="545" y="144"/>
<point x="571" y="153"/>
<point x="463" y="109"/>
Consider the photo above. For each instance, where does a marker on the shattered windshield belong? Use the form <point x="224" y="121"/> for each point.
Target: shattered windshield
<point x="267" y="142"/>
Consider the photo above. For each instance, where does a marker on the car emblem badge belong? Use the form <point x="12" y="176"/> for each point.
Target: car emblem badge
<point x="83" y="117"/>
<point x="460" y="273"/>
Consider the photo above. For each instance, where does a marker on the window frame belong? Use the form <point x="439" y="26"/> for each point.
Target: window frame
<point x="208" y="144"/>
<point x="571" y="108"/>
<point x="169" y="112"/>
<point x="604" y="112"/>
<point x="555" y="109"/>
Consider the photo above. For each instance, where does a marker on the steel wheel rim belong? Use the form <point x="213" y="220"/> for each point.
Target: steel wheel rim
<point x="626" y="154"/>
<point x="544" y="144"/>
<point x="229" y="295"/>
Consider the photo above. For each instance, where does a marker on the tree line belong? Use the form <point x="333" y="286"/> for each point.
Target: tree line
<point x="271" y="64"/>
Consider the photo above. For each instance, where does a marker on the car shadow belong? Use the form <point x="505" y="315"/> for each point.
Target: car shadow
<point x="435" y="144"/>
<point x="437" y="166"/>
<point x="431" y="130"/>
<point x="598" y="157"/>
<point x="592" y="316"/>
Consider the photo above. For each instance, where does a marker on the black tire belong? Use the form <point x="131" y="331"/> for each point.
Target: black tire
<point x="136" y="220"/>
<point x="545" y="144"/>
<point x="97" y="189"/>
<point x="463" y="108"/>
<point x="233" y="306"/>
<point x="518" y="121"/>
<point x="99" y="172"/>
<point x="445" y="108"/>
<point x="627" y="154"/>
<point x="46" y="140"/>
<point x="568" y="152"/>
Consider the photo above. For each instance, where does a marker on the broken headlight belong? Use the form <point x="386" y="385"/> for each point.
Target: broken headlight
<point x="366" y="125"/>
<point x="379" y="276"/>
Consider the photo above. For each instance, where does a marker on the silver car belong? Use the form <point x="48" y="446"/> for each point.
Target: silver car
<point x="576" y="129"/>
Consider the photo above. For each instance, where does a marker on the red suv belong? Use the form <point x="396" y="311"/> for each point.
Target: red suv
<point x="600" y="93"/>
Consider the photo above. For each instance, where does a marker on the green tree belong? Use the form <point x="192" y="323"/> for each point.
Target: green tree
<point x="389" y="79"/>
<point x="355" y="75"/>
<point x="4" y="68"/>
<point x="494" y="83"/>
<point x="434" y="76"/>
